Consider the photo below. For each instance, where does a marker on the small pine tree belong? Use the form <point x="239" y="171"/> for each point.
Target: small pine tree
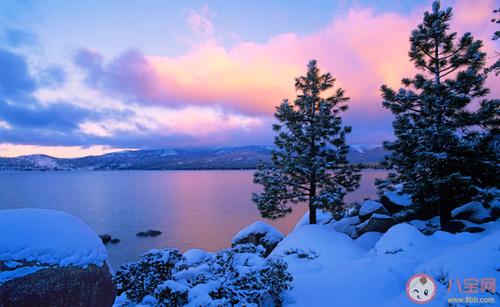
<point x="444" y="153"/>
<point x="310" y="162"/>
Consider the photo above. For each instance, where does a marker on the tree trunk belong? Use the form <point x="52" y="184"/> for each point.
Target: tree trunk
<point x="312" y="208"/>
<point x="444" y="214"/>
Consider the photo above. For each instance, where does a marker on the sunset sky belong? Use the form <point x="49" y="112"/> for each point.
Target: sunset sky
<point x="97" y="76"/>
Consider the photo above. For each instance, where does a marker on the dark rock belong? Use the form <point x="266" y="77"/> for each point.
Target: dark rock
<point x="114" y="240"/>
<point x="474" y="229"/>
<point x="495" y="212"/>
<point x="454" y="226"/>
<point x="60" y="286"/>
<point x="105" y="238"/>
<point x="149" y="233"/>
<point x="376" y="222"/>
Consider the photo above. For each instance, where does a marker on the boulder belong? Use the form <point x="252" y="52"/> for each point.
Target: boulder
<point x="346" y="225"/>
<point x="395" y="201"/>
<point x="474" y="212"/>
<point x="58" y="286"/>
<point x="259" y="233"/>
<point x="408" y="214"/>
<point x="149" y="233"/>
<point x="54" y="259"/>
<point x="427" y="227"/>
<point x="455" y="226"/>
<point x="376" y="222"/>
<point x="105" y="238"/>
<point x="495" y="209"/>
<point x="370" y="207"/>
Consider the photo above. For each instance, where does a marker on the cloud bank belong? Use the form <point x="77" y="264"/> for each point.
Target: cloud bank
<point x="214" y="94"/>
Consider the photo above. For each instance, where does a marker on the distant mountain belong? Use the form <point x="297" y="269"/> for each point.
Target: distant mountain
<point x="245" y="157"/>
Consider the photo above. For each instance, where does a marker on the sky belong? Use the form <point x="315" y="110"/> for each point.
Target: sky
<point x="90" y="77"/>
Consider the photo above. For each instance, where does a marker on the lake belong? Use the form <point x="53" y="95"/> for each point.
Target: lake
<point x="193" y="209"/>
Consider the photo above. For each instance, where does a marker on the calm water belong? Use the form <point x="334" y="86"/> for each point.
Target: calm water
<point x="201" y="209"/>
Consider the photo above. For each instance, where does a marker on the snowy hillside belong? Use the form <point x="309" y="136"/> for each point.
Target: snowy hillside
<point x="245" y="157"/>
<point x="376" y="267"/>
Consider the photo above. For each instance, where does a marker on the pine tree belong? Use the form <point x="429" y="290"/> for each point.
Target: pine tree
<point x="444" y="153"/>
<point x="496" y="66"/>
<point x="309" y="163"/>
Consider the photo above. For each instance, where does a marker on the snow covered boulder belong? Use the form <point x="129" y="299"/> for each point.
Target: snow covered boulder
<point x="51" y="258"/>
<point x="370" y="207"/>
<point x="395" y="201"/>
<point x="376" y="222"/>
<point x="427" y="227"/>
<point x="474" y="212"/>
<point x="259" y="233"/>
<point x="456" y="226"/>
<point x="346" y="225"/>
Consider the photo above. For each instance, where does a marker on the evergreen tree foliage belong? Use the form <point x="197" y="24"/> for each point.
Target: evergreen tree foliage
<point x="496" y="66"/>
<point x="309" y="162"/>
<point x="446" y="147"/>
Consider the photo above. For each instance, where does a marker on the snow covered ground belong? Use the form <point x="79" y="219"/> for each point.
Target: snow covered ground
<point x="373" y="270"/>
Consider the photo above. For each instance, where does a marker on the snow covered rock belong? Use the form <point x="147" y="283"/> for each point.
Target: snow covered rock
<point x="426" y="227"/>
<point x="473" y="211"/>
<point x="346" y="225"/>
<point x="395" y="201"/>
<point x="401" y="238"/>
<point x="376" y="222"/>
<point x="51" y="257"/>
<point x="455" y="226"/>
<point x="259" y="233"/>
<point x="370" y="207"/>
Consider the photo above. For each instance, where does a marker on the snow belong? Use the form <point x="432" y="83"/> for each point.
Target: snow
<point x="272" y="235"/>
<point x="195" y="256"/>
<point x="478" y="212"/>
<point x="369" y="206"/>
<point x="400" y="238"/>
<point x="321" y="217"/>
<point x="20" y="272"/>
<point x="362" y="148"/>
<point x="373" y="269"/>
<point x="346" y="225"/>
<point x="398" y="198"/>
<point x="41" y="161"/>
<point x="48" y="237"/>
<point x="368" y="239"/>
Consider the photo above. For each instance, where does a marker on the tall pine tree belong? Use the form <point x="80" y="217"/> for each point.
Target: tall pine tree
<point x="309" y="163"/>
<point x="444" y="153"/>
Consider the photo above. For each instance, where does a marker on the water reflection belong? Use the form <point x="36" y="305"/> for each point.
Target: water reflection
<point x="201" y="209"/>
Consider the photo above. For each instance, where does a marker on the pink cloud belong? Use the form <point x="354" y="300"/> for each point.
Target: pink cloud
<point x="362" y="49"/>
